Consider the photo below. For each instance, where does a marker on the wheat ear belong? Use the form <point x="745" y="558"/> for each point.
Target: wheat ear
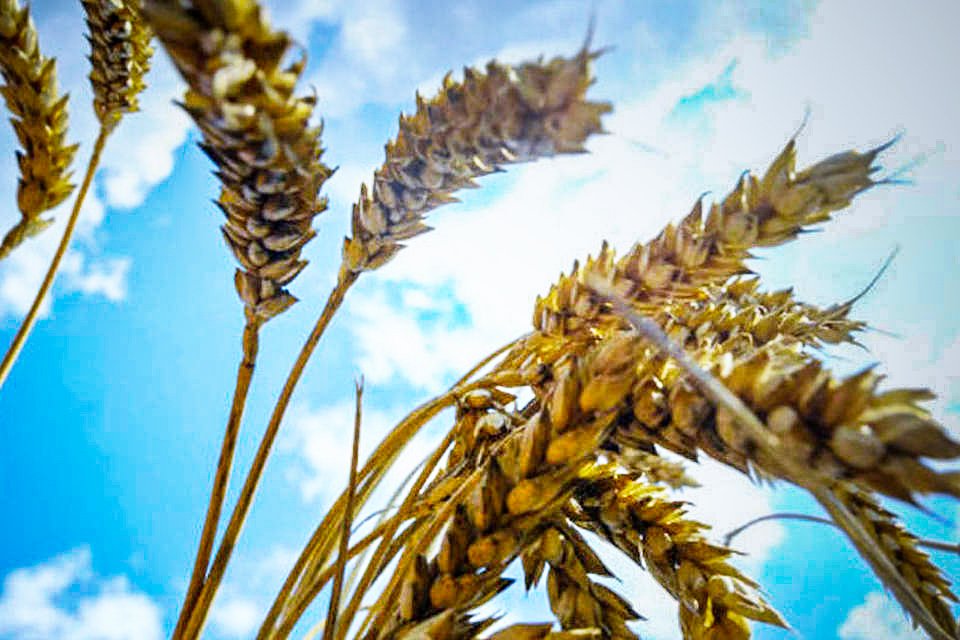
<point x="128" y="37"/>
<point x="268" y="157"/>
<point x="39" y="120"/>
<point x="715" y="598"/>
<point x="769" y="445"/>
<point x="708" y="249"/>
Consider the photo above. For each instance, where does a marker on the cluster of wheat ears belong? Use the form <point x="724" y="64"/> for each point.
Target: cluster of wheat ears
<point x="667" y="347"/>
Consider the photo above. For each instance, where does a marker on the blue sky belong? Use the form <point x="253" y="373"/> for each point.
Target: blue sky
<point x="113" y="416"/>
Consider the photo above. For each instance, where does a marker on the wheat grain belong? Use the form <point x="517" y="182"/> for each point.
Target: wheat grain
<point x="471" y="128"/>
<point x="39" y="120"/>
<point x="120" y="56"/>
<point x="256" y="131"/>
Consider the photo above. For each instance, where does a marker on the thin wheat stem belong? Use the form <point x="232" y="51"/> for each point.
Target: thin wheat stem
<point x="239" y="515"/>
<point x="377" y="561"/>
<point x="319" y="546"/>
<point x="341" y="564"/>
<point x="221" y="480"/>
<point x="31" y="318"/>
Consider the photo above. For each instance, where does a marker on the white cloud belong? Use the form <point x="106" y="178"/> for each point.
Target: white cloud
<point x="34" y="606"/>
<point x="236" y="616"/>
<point x="878" y="617"/>
<point x="246" y="594"/>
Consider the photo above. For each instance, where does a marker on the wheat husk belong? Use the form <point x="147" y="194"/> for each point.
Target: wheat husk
<point x="901" y="547"/>
<point x="39" y="119"/>
<point x="259" y="134"/>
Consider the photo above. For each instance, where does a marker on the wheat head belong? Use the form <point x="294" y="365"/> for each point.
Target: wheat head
<point x="39" y="120"/>
<point x="257" y="132"/>
<point x="120" y="56"/>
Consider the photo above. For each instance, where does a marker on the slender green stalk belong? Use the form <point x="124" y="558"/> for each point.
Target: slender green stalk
<point x="222" y="476"/>
<point x="31" y="318"/>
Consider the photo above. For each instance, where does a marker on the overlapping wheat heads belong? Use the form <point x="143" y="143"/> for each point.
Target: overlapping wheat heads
<point x="120" y="53"/>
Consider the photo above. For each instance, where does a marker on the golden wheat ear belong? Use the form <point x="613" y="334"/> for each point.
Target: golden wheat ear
<point x="708" y="247"/>
<point x="715" y="598"/>
<point x="257" y="132"/>
<point x="119" y="55"/>
<point x="39" y="113"/>
<point x="495" y="117"/>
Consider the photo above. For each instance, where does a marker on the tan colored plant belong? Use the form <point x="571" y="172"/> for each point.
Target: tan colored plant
<point x="668" y="347"/>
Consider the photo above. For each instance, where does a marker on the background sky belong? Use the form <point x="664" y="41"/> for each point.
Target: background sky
<point x="112" y="418"/>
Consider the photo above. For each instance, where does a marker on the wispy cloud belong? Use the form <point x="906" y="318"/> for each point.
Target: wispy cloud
<point x="63" y="598"/>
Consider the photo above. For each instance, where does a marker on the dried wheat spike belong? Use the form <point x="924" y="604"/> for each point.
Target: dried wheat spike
<point x="715" y="598"/>
<point x="256" y="131"/>
<point x="468" y="130"/>
<point x="757" y="213"/>
<point x="900" y="547"/>
<point x="576" y="599"/>
<point x="120" y="54"/>
<point x="40" y="121"/>
<point x="525" y="480"/>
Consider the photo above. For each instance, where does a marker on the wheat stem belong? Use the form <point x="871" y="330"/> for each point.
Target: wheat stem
<point x="341" y="564"/>
<point x="31" y="318"/>
<point x="222" y="476"/>
<point x="378" y="560"/>
<point x="239" y="515"/>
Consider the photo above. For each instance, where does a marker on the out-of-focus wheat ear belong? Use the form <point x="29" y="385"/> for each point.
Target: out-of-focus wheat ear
<point x="715" y="598"/>
<point x="494" y="117"/>
<point x="39" y="118"/>
<point x="258" y="133"/>
<point x="119" y="55"/>
<point x="708" y="247"/>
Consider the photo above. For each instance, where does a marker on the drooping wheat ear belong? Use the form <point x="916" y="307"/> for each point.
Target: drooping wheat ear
<point x="715" y="598"/>
<point x="501" y="116"/>
<point x="120" y="55"/>
<point x="708" y="250"/>
<point x="40" y="121"/>
<point x="256" y="131"/>
<point x="577" y="600"/>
